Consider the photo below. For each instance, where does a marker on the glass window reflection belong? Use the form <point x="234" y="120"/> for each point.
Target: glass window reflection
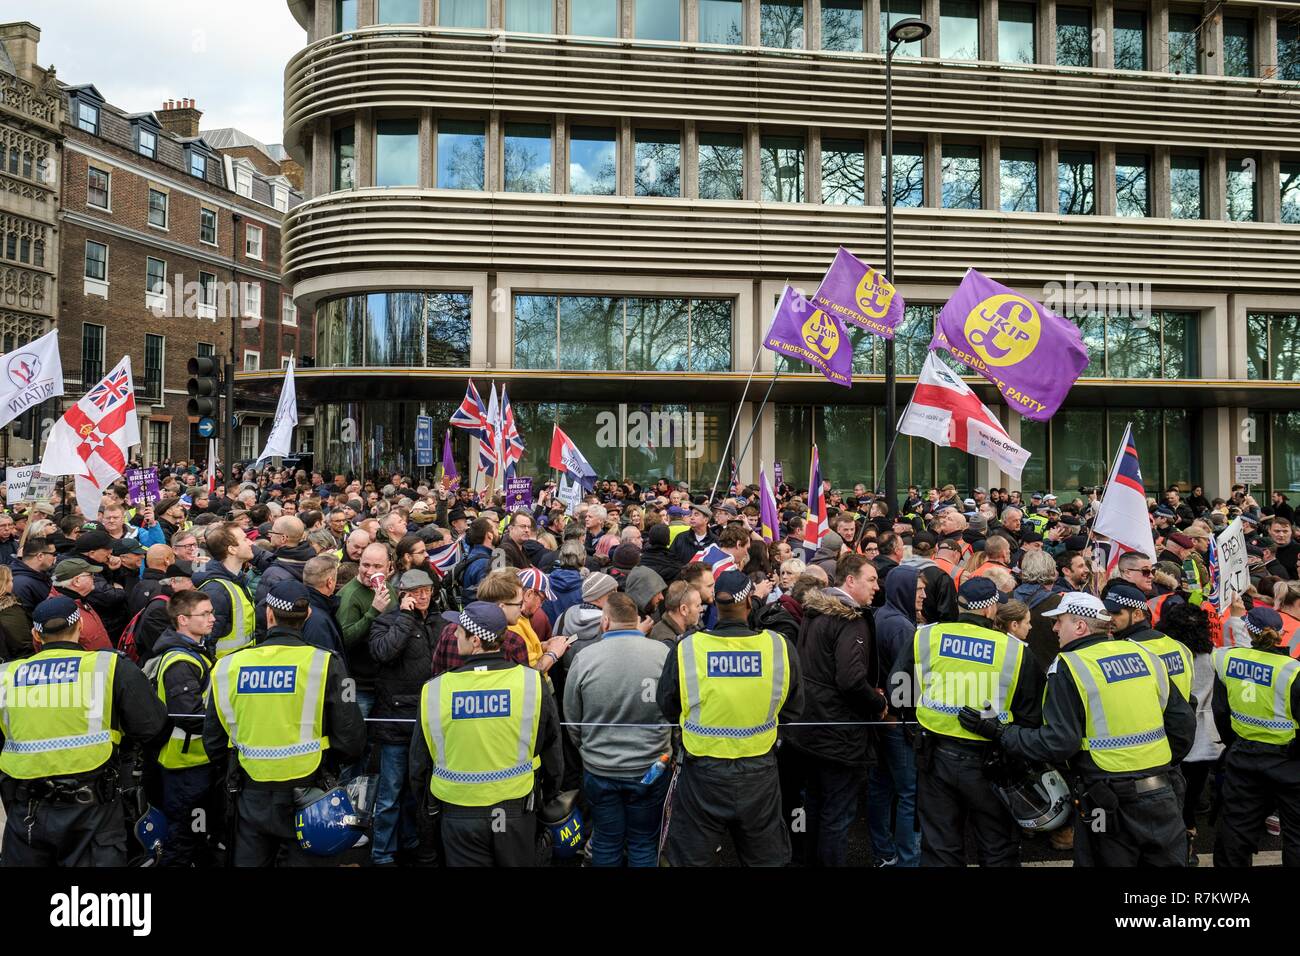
<point x="593" y="169"/>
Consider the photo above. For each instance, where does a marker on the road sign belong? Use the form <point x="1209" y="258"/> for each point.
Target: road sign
<point x="1249" y="470"/>
<point x="423" y="441"/>
<point x="207" y="428"/>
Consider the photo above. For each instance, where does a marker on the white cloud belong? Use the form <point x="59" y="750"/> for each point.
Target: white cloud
<point x="226" y="55"/>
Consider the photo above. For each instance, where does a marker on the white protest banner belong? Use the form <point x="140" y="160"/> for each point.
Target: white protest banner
<point x="17" y="480"/>
<point x="571" y="494"/>
<point x="1234" y="575"/>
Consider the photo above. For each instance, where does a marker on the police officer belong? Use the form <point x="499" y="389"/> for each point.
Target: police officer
<point x="729" y="688"/>
<point x="223" y="581"/>
<point x="1114" y="715"/>
<point x="1255" y="706"/>
<point x="489" y="740"/>
<point x="64" y="711"/>
<point x="182" y="677"/>
<point x="1130" y="619"/>
<point x="279" y="706"/>
<point x="946" y="667"/>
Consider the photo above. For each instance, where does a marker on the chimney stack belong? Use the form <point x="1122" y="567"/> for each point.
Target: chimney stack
<point x="180" y="117"/>
<point x="20" y="41"/>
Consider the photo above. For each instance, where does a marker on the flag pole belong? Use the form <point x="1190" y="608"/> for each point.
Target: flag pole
<point x="722" y="458"/>
<point x="889" y="452"/>
<point x="758" y="417"/>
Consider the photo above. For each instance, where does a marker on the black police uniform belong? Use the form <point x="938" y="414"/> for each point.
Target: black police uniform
<point x="1259" y="779"/>
<point x="716" y="795"/>
<point x="263" y="814"/>
<point x="472" y="836"/>
<point x="79" y="820"/>
<point x="951" y="786"/>
<point x="1146" y="825"/>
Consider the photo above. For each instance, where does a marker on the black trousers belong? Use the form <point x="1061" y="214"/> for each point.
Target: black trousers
<point x="62" y="834"/>
<point x="1196" y="773"/>
<point x="737" y="797"/>
<point x="500" y="835"/>
<point x="1145" y="830"/>
<point x="184" y="792"/>
<point x="264" y="830"/>
<point x="1256" y="781"/>
<point x="952" y="791"/>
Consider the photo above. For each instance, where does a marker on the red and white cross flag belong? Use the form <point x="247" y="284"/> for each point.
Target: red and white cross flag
<point x="93" y="439"/>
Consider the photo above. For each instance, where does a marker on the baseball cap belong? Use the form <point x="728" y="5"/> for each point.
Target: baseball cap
<point x="93" y="541"/>
<point x="55" y="614"/>
<point x="480" y="619"/>
<point x="179" y="569"/>
<point x="676" y="511"/>
<point x="732" y="587"/>
<point x="535" y="580"/>
<point x="1080" y="604"/>
<point x="69" y="568"/>
<point x="978" y="593"/>
<point x="1120" y="597"/>
<point x="127" y="546"/>
<point x="288" y="595"/>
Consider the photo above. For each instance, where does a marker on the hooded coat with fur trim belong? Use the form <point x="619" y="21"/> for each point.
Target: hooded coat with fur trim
<point x="840" y="677"/>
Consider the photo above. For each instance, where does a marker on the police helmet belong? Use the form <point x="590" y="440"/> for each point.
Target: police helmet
<point x="1039" y="800"/>
<point x="563" y="822"/>
<point x="151" y="830"/>
<point x="326" y="823"/>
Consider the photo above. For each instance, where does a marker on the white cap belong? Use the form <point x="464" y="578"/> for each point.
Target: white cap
<point x="1080" y="604"/>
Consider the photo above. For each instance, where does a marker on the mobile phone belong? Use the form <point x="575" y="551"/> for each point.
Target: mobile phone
<point x="570" y="639"/>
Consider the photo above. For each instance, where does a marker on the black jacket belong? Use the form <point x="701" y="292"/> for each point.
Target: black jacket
<point x="343" y="723"/>
<point x="150" y="584"/>
<point x="669" y="695"/>
<point x="662" y="561"/>
<point x="549" y="744"/>
<point x="322" y="627"/>
<point x="136" y="710"/>
<point x="110" y="604"/>
<point x="183" y="686"/>
<point x="287" y="564"/>
<point x="684" y="545"/>
<point x="836" y="646"/>
<point x="401" y="645"/>
<point x="154" y="623"/>
<point x="1060" y="738"/>
<point x="1026" y="702"/>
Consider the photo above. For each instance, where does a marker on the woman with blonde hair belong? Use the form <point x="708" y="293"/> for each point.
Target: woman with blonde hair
<point x="15" y="625"/>
<point x="1013" y="618"/>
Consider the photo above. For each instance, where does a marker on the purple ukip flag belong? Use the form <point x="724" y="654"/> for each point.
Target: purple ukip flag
<point x="801" y="331"/>
<point x="1032" y="355"/>
<point x="857" y="293"/>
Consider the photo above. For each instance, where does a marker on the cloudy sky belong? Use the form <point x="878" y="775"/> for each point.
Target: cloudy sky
<point x="226" y="55"/>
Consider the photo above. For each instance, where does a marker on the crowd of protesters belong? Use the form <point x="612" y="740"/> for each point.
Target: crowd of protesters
<point x="643" y="562"/>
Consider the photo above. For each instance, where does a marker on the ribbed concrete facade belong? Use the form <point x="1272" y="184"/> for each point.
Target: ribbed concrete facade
<point x="383" y="115"/>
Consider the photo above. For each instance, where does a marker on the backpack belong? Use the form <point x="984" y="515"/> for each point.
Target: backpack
<point x="127" y="643"/>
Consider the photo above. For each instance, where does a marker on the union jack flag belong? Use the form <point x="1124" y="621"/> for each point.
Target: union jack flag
<point x="512" y="443"/>
<point x="716" y="558"/>
<point x="442" y="559"/>
<point x="113" y="389"/>
<point x="472" y="414"/>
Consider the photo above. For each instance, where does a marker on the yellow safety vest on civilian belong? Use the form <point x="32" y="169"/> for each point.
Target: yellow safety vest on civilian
<point x="481" y="730"/>
<point x="183" y="749"/>
<point x="56" y="708"/>
<point x="1124" y="688"/>
<point x="1178" y="661"/>
<point x="964" y="665"/>
<point x="243" y="619"/>
<point x="271" y="701"/>
<point x="1259" y="693"/>
<point x="732" y="689"/>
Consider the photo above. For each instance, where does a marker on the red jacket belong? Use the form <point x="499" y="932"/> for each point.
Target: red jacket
<point x="94" y="636"/>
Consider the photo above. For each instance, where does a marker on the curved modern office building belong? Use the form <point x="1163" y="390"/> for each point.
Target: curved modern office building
<point x="597" y="203"/>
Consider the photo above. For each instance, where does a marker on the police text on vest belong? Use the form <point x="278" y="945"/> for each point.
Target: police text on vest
<point x="1123" y="667"/>
<point x="267" y="680"/>
<point x="977" y="649"/>
<point x="1241" y="669"/>
<point x="77" y="909"/>
<point x="735" y="664"/>
<point x="466" y="704"/>
<point x="1173" y="662"/>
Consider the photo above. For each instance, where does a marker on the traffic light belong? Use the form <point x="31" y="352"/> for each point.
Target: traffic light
<point x="203" y="387"/>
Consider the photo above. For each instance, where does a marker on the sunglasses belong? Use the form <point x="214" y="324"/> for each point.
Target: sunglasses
<point x="1144" y="571"/>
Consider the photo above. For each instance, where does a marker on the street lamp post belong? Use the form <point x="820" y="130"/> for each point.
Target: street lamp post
<point x="910" y="30"/>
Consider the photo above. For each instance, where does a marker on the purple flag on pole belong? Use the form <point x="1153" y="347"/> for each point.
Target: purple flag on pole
<point x="800" y="331"/>
<point x="1032" y="355"/>
<point x="857" y="293"/>
<point x="448" y="460"/>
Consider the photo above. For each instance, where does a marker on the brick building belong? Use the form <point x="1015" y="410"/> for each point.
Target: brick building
<point x="167" y="239"/>
<point x="31" y="112"/>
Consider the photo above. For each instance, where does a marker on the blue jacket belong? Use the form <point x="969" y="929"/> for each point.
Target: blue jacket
<point x="30" y="587"/>
<point x="566" y="584"/>
<point x="322" y="629"/>
<point x="151" y="536"/>
<point x="896" y="621"/>
<point x="477" y="565"/>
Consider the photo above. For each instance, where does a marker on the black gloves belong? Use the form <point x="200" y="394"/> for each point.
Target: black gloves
<point x="972" y="720"/>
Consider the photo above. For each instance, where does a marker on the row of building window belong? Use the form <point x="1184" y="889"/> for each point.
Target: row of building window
<point x="26" y="165"/>
<point x="87" y="116"/>
<point x="781" y="25"/>
<point x="99" y="196"/>
<point x="155" y="285"/>
<point x="609" y="333"/>
<point x="527" y="151"/>
<point x="24" y="249"/>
